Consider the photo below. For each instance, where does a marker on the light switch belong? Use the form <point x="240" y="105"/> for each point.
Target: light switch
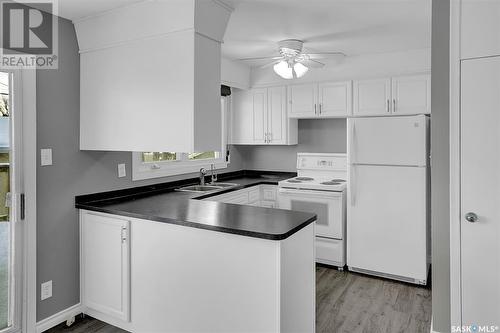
<point x="46" y="157"/>
<point x="121" y="171"/>
<point x="46" y="290"/>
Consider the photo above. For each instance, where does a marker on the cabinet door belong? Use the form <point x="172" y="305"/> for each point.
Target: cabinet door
<point x="411" y="95"/>
<point x="335" y="99"/>
<point x="302" y="100"/>
<point x="480" y="28"/>
<point x="242" y="117"/>
<point x="259" y="115"/>
<point x="105" y="261"/>
<point x="372" y="97"/>
<point x="276" y="115"/>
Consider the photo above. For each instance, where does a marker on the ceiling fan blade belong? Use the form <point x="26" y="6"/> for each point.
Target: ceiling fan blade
<point x="312" y="63"/>
<point x="260" y="58"/>
<point x="270" y="64"/>
<point x="326" y="55"/>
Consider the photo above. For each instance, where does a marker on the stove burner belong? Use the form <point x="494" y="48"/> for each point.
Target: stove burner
<point x="338" y="180"/>
<point x="304" y="178"/>
<point x="330" y="183"/>
<point x="294" y="181"/>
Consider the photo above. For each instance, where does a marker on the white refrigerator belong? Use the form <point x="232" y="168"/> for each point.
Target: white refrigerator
<point x="388" y="218"/>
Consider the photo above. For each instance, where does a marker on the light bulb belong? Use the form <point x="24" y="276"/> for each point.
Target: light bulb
<point x="300" y="69"/>
<point x="283" y="70"/>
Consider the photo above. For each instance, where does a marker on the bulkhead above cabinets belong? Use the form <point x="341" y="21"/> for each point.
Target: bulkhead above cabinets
<point x="150" y="76"/>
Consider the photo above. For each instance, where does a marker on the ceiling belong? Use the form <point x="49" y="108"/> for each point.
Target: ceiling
<point x="350" y="26"/>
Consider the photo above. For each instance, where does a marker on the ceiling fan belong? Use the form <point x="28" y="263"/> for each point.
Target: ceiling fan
<point x="292" y="61"/>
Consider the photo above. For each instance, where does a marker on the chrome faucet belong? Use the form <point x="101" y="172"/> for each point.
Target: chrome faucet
<point x="203" y="172"/>
<point x="213" y="173"/>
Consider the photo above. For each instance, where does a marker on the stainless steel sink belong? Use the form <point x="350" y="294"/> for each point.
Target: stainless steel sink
<point x="200" y="188"/>
<point x="223" y="184"/>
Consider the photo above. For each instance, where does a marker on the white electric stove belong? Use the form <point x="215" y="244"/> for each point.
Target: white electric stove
<point x="320" y="188"/>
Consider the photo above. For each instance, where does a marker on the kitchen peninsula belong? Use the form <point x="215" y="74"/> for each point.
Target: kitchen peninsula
<point x="235" y="268"/>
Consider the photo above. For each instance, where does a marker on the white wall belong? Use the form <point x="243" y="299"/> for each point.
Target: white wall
<point x="355" y="67"/>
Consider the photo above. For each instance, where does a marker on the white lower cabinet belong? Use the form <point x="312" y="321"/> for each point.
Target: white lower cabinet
<point x="260" y="195"/>
<point x="105" y="264"/>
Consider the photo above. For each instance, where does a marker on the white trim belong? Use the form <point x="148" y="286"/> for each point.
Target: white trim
<point x="58" y="318"/>
<point x="455" y="235"/>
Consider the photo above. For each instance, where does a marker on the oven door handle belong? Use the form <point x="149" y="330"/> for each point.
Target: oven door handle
<point x="294" y="191"/>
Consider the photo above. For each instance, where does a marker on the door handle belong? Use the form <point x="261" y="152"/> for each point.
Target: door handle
<point x="471" y="217"/>
<point x="352" y="185"/>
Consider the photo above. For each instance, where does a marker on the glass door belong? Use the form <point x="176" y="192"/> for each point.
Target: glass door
<point x="10" y="292"/>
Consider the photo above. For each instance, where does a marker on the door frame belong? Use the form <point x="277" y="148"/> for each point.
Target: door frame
<point x="455" y="170"/>
<point x="25" y="84"/>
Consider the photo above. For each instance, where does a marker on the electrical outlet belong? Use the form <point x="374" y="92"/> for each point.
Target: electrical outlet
<point x="46" y="291"/>
<point x="121" y="171"/>
<point x="46" y="157"/>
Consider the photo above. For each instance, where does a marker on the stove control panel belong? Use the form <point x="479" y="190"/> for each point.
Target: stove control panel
<point x="321" y="161"/>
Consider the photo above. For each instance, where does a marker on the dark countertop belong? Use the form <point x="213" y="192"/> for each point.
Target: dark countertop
<point x="162" y="203"/>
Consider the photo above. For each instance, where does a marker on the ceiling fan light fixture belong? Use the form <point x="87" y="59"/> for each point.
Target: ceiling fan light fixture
<point x="300" y="69"/>
<point x="288" y="71"/>
<point x="284" y="70"/>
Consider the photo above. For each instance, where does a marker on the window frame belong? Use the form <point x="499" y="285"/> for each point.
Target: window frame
<point x="149" y="170"/>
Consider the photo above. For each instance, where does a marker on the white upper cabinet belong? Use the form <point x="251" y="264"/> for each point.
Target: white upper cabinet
<point x="480" y="28"/>
<point x="411" y="95"/>
<point x="303" y="99"/>
<point x="323" y="100"/>
<point x="276" y="115"/>
<point x="403" y="95"/>
<point x="335" y="99"/>
<point x="372" y="97"/>
<point x="259" y="116"/>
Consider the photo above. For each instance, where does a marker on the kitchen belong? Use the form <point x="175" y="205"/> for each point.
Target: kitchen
<point x="292" y="193"/>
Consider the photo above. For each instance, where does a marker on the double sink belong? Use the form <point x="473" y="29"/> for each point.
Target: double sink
<point x="212" y="187"/>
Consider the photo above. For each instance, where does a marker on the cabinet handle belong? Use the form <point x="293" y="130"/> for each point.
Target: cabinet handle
<point x="124" y="234"/>
<point x="388" y="106"/>
<point x="270" y="138"/>
<point x="320" y="107"/>
<point x="315" y="111"/>
<point x="394" y="105"/>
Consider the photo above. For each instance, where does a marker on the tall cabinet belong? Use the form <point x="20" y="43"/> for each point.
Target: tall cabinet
<point x="259" y="116"/>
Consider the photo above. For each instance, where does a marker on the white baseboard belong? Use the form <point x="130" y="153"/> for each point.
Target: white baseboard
<point x="58" y="318"/>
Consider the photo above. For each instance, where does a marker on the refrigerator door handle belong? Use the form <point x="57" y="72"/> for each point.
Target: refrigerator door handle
<point x="352" y="145"/>
<point x="352" y="185"/>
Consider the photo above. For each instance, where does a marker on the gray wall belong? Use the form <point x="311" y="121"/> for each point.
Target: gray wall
<point x="315" y="136"/>
<point x="73" y="172"/>
<point x="440" y="166"/>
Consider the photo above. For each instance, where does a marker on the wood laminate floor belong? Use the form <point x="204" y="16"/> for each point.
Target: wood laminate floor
<point x="345" y="303"/>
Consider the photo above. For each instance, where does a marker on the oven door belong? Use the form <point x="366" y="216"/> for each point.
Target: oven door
<point x="328" y="206"/>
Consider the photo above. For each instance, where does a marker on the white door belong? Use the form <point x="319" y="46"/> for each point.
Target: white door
<point x="388" y="140"/>
<point x="327" y="206"/>
<point x="259" y="111"/>
<point x="335" y="99"/>
<point x="387" y="220"/>
<point x="303" y="100"/>
<point x="105" y="262"/>
<point x="411" y="95"/>
<point x="276" y="115"/>
<point x="480" y="191"/>
<point x="372" y="97"/>
<point x="242" y="117"/>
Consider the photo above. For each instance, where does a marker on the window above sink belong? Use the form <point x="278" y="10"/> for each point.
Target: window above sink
<point x="147" y="165"/>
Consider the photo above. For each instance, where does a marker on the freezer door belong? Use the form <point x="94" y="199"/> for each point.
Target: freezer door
<point x="389" y="140"/>
<point x="386" y="220"/>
